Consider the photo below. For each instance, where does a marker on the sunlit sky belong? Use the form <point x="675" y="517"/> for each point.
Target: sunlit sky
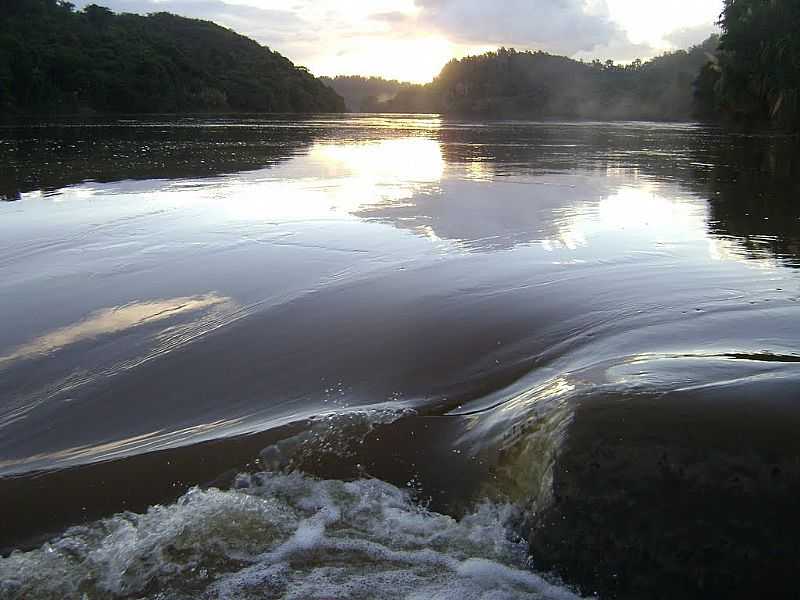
<point x="412" y="39"/>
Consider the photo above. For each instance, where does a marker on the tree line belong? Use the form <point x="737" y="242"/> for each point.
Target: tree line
<point x="748" y="76"/>
<point x="511" y="83"/>
<point x="365" y="94"/>
<point x="54" y="58"/>
<point x="754" y="79"/>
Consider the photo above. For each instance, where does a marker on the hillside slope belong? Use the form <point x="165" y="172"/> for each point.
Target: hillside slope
<point x="365" y="94"/>
<point x="508" y="83"/>
<point x="56" y="59"/>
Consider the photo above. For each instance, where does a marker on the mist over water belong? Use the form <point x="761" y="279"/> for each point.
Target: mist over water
<point x="576" y="340"/>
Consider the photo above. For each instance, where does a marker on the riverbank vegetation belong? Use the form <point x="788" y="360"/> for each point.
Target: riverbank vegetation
<point x="510" y="83"/>
<point x="749" y="76"/>
<point x="754" y="79"/>
<point x="55" y="59"/>
<point x="365" y="94"/>
<point x="527" y="84"/>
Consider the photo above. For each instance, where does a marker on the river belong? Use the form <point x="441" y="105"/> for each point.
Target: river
<point x="398" y="357"/>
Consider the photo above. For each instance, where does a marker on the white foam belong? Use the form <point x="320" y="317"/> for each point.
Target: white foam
<point x="283" y="536"/>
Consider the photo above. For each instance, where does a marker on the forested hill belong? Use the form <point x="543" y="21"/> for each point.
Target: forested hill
<point x="56" y="59"/>
<point x="508" y="83"/>
<point x="756" y="77"/>
<point x="366" y="94"/>
<point x="748" y="77"/>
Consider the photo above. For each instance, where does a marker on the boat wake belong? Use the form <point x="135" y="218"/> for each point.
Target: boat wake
<point x="285" y="536"/>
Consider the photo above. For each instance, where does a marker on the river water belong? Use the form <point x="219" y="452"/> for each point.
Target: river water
<point x="398" y="357"/>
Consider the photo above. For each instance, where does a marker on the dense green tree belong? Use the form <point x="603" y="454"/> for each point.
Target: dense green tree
<point x="706" y="92"/>
<point x="759" y="62"/>
<point x="55" y="59"/>
<point x="365" y="94"/>
<point x="508" y="83"/>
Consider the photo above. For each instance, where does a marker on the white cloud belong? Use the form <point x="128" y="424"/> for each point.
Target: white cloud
<point x="561" y="26"/>
<point x="267" y="25"/>
<point x="690" y="36"/>
<point x="649" y="21"/>
<point x="412" y="39"/>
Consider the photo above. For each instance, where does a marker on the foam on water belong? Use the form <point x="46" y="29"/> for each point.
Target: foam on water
<point x="283" y="536"/>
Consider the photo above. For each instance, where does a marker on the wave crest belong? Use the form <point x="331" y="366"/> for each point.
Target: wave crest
<point x="284" y="536"/>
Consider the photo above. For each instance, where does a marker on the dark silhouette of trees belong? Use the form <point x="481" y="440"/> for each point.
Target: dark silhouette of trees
<point x="758" y="80"/>
<point x="55" y="59"/>
<point x="365" y="94"/>
<point x="509" y="83"/>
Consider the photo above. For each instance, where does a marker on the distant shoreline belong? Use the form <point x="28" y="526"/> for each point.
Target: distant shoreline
<point x="110" y="119"/>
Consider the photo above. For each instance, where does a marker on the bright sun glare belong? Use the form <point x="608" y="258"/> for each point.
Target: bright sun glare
<point x="417" y="60"/>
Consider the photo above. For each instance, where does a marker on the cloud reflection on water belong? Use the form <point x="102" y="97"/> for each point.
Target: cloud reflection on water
<point x="336" y="179"/>
<point x="112" y="320"/>
<point x="367" y="238"/>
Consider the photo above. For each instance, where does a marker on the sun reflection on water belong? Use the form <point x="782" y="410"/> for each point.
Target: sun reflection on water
<point x="646" y="209"/>
<point x="340" y="179"/>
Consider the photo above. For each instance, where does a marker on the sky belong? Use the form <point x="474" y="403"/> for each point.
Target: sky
<point x="411" y="40"/>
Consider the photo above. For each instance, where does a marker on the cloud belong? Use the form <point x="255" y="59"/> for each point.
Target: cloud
<point x="267" y="26"/>
<point x="413" y="39"/>
<point x="691" y="36"/>
<point x="560" y="26"/>
<point x="205" y="9"/>
<point x="620" y="49"/>
<point x="393" y="17"/>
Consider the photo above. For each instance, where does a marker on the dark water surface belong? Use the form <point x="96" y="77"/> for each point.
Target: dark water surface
<point x="579" y="341"/>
